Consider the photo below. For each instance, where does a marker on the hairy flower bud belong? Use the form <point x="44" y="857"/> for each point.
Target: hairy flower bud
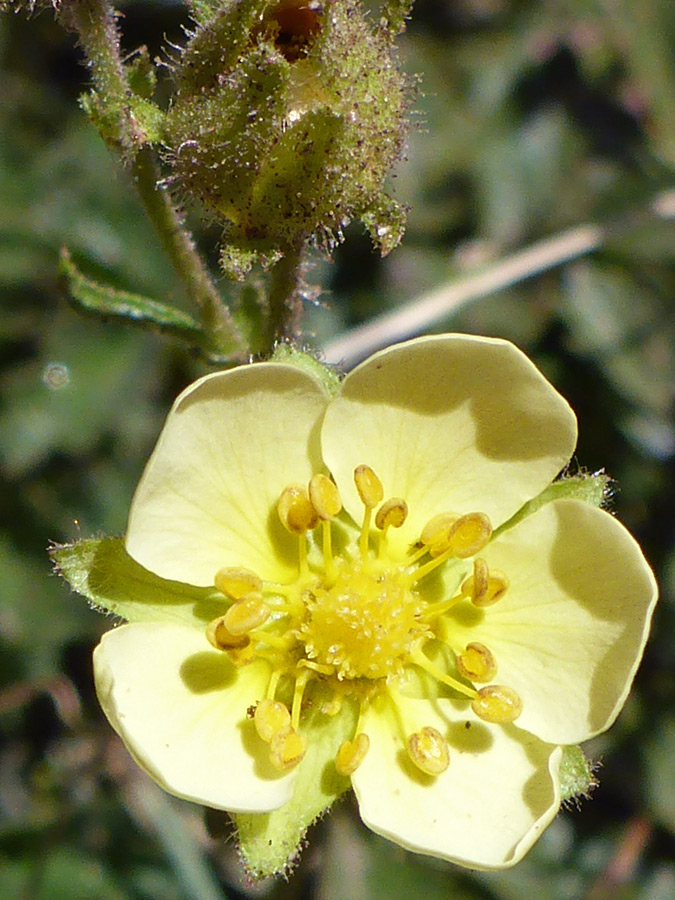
<point x="287" y="118"/>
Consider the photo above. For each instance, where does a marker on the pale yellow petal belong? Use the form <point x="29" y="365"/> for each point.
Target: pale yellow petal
<point x="485" y="811"/>
<point x="207" y="498"/>
<point x="451" y="423"/>
<point x="569" y="633"/>
<point x="180" y="707"/>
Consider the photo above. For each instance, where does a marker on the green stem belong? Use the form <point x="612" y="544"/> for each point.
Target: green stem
<point x="216" y="319"/>
<point x="284" y="301"/>
<point x="94" y="22"/>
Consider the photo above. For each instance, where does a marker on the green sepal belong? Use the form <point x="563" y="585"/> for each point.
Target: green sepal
<point x="385" y="221"/>
<point x="577" y="775"/>
<point x="141" y="74"/>
<point x="591" y="488"/>
<point x="270" y="843"/>
<point x="395" y="12"/>
<point x="104" y="301"/>
<point x="150" y="119"/>
<point x="325" y="375"/>
<point x="108" y="115"/>
<point x="128" y="124"/>
<point x="101" y="570"/>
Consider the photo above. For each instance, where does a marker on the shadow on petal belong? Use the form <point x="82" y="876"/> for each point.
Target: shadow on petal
<point x="469" y="737"/>
<point x="207" y="671"/>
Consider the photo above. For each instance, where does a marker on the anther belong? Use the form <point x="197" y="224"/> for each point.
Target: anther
<point x="236" y="583"/>
<point x="435" y="533"/>
<point x="392" y="514"/>
<point x="271" y="718"/>
<point x="220" y="637"/>
<point x="497" y="704"/>
<point x="247" y="614"/>
<point x="242" y="656"/>
<point x="324" y="497"/>
<point x="428" y="749"/>
<point x="369" y="486"/>
<point x="296" y="511"/>
<point x="351" y="754"/>
<point x="484" y="587"/>
<point x="469" y="535"/>
<point x="477" y="663"/>
<point x="287" y="749"/>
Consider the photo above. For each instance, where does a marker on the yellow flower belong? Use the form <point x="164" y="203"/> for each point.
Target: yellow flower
<point x="385" y="613"/>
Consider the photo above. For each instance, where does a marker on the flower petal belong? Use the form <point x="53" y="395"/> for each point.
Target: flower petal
<point x="207" y="499"/>
<point x="485" y="811"/>
<point x="180" y="708"/>
<point x="450" y="423"/>
<point x="569" y="633"/>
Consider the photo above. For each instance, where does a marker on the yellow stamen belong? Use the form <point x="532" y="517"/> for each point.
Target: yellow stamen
<point x="324" y="497"/>
<point x="247" y="614"/>
<point x="236" y="583"/>
<point x="497" y="704"/>
<point x="469" y="534"/>
<point x="419" y="659"/>
<point x="296" y="511"/>
<point x="428" y="749"/>
<point x="298" y="692"/>
<point x="369" y="486"/>
<point x="287" y="749"/>
<point x="435" y="533"/>
<point x="328" y="561"/>
<point x="476" y="585"/>
<point x="271" y="718"/>
<point x="436" y="530"/>
<point x="280" y="642"/>
<point x="316" y="667"/>
<point x="429" y="566"/>
<point x="272" y="686"/>
<point x="365" y="534"/>
<point x="485" y="587"/>
<point x="477" y="663"/>
<point x="302" y="556"/>
<point x="433" y="610"/>
<point x="351" y="754"/>
<point x="242" y="656"/>
<point x="392" y="514"/>
<point x="220" y="637"/>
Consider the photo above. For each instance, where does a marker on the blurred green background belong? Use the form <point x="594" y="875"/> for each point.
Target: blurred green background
<point x="529" y="118"/>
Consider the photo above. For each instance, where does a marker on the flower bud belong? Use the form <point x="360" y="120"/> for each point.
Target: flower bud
<point x="287" y="118"/>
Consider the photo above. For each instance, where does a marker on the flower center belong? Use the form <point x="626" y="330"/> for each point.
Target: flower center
<point x="356" y="624"/>
<point x="365" y="625"/>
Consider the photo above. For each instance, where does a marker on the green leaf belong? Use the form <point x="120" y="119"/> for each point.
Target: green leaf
<point x="104" y="301"/>
<point x="270" y="842"/>
<point x="103" y="572"/>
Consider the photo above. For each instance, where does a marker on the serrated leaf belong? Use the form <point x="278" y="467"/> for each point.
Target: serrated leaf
<point x="270" y="842"/>
<point x="105" y="301"/>
<point x="103" y="572"/>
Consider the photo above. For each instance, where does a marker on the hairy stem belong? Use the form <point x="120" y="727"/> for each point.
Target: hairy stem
<point x="94" y="22"/>
<point x="216" y="320"/>
<point x="284" y="301"/>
